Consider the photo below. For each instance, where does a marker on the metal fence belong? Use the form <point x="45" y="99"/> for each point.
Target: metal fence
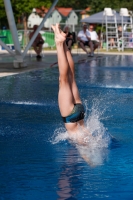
<point x="23" y="37"/>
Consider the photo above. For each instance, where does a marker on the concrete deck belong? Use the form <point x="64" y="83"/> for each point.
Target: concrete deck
<point x="49" y="59"/>
<point x="6" y="63"/>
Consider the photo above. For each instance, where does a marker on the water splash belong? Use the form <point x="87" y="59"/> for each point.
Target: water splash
<point x="95" y="152"/>
<point x="101" y="137"/>
<point x="60" y="134"/>
<point x="91" y="142"/>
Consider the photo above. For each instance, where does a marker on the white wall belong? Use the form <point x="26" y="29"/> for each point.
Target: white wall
<point x="72" y="18"/>
<point x="33" y="19"/>
<point x="54" y="18"/>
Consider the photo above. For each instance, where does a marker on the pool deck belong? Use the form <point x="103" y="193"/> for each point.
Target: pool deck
<point x="48" y="60"/>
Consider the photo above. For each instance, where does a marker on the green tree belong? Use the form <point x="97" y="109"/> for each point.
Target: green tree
<point x="127" y="4"/>
<point x="99" y="5"/>
<point x="25" y="6"/>
<point x="75" y="4"/>
<point x="21" y="7"/>
<point x="3" y="18"/>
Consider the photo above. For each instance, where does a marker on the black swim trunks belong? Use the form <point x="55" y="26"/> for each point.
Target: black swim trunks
<point x="76" y="115"/>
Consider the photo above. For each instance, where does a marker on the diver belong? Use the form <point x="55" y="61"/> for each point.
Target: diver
<point x="70" y="105"/>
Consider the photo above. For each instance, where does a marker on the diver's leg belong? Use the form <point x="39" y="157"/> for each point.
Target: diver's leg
<point x="72" y="81"/>
<point x="65" y="96"/>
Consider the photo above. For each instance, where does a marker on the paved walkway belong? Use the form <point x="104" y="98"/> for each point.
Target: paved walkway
<point x="49" y="59"/>
<point x="6" y="63"/>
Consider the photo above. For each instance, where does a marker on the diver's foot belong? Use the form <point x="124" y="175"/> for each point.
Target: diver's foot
<point x="60" y="36"/>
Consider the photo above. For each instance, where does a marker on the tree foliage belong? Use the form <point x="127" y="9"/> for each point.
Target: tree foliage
<point x="21" y="7"/>
<point x="2" y="9"/>
<point x="24" y="6"/>
<point x="99" y="5"/>
<point x="75" y="4"/>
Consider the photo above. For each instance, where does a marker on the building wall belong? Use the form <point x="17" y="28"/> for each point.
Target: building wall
<point x="54" y="18"/>
<point x="33" y="19"/>
<point x="72" y="18"/>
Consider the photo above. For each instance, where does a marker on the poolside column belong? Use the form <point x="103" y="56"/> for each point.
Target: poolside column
<point x="12" y="25"/>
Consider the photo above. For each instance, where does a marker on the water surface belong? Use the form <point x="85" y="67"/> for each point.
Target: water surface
<point x="37" y="161"/>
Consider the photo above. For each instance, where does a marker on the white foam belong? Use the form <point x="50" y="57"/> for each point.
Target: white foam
<point x="60" y="134"/>
<point x="91" y="142"/>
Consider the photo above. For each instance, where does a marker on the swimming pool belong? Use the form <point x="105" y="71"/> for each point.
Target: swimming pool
<point x="36" y="159"/>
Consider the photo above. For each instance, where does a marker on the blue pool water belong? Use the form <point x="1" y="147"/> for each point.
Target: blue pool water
<point x="38" y="162"/>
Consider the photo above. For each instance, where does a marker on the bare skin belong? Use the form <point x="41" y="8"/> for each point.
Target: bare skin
<point x="37" y="47"/>
<point x="68" y="92"/>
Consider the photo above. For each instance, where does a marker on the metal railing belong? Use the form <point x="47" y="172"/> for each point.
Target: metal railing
<point x="126" y="41"/>
<point x="23" y="37"/>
